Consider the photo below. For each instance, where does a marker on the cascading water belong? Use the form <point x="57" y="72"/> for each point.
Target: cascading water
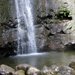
<point x="24" y="15"/>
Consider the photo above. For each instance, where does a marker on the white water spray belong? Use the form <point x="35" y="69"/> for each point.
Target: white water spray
<point x="24" y="12"/>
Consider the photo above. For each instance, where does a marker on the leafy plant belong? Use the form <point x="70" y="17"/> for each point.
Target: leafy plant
<point x="63" y="14"/>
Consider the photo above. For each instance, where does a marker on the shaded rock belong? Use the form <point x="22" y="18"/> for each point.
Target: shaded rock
<point x="70" y="46"/>
<point x="62" y="32"/>
<point x="4" y="69"/>
<point x="45" y="17"/>
<point x="9" y="24"/>
<point x="72" y="65"/>
<point x="20" y="72"/>
<point x="46" y="27"/>
<point x="50" y="34"/>
<point x="23" y="67"/>
<point x="8" y="49"/>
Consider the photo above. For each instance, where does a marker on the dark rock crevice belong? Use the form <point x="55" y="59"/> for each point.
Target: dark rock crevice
<point x="9" y="24"/>
<point x="8" y="49"/>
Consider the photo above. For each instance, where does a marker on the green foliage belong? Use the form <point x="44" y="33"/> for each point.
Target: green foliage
<point x="63" y="14"/>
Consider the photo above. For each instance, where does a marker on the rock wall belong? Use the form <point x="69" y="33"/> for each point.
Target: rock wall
<point x="55" y="24"/>
<point x="8" y="28"/>
<point x="54" y="21"/>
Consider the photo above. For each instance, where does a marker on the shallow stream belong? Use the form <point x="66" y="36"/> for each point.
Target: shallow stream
<point x="40" y="59"/>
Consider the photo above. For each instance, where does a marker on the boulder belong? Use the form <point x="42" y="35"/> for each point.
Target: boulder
<point x="29" y="70"/>
<point x="33" y="71"/>
<point x="4" y="69"/>
<point x="65" y="70"/>
<point x="20" y="72"/>
<point x="57" y="70"/>
<point x="54" y="68"/>
<point x="23" y="67"/>
<point x="72" y="65"/>
<point x="47" y="71"/>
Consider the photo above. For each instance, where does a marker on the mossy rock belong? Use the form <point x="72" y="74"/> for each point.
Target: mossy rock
<point x="20" y="72"/>
<point x="72" y="65"/>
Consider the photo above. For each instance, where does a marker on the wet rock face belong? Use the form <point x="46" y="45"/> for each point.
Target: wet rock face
<point x="54" y="25"/>
<point x="8" y="29"/>
<point x="8" y="38"/>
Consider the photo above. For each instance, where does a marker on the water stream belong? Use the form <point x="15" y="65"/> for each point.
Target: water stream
<point x="41" y="59"/>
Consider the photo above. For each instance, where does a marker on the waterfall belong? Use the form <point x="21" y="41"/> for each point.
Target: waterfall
<point x="25" y="27"/>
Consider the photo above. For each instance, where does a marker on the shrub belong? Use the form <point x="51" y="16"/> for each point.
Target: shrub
<point x="63" y="14"/>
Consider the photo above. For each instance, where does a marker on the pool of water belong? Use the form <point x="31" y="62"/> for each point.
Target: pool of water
<point x="40" y="59"/>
